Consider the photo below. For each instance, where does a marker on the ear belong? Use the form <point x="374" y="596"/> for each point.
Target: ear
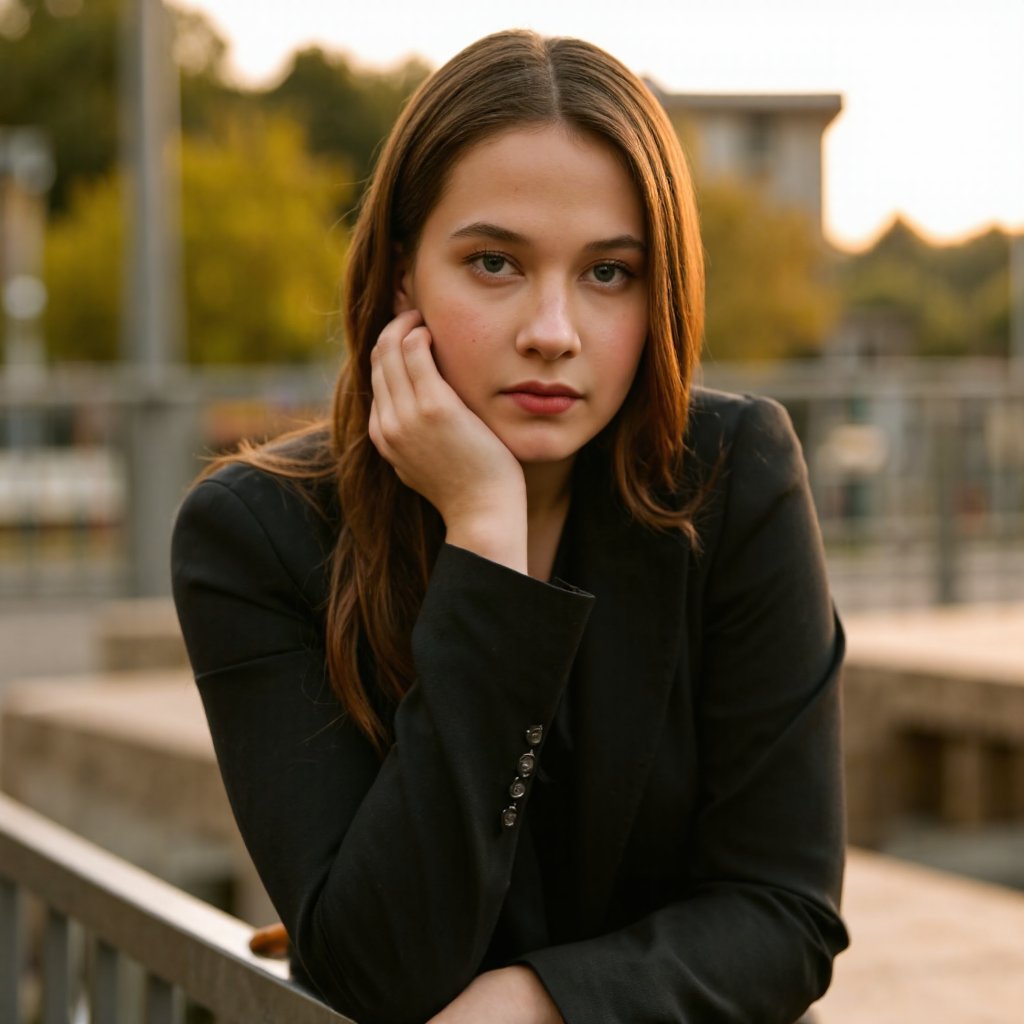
<point x="404" y="299"/>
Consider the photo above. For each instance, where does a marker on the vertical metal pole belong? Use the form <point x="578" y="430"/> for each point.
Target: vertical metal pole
<point x="947" y="465"/>
<point x="152" y="127"/>
<point x="11" y="957"/>
<point x="158" y="464"/>
<point x="105" y="984"/>
<point x="1017" y="300"/>
<point x="26" y="174"/>
<point x="56" y="969"/>
<point x="161" y="1001"/>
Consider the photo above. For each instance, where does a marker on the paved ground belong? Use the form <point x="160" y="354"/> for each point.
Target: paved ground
<point x="926" y="948"/>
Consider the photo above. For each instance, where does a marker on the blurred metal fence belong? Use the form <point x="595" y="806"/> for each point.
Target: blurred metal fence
<point x="104" y="922"/>
<point x="917" y="468"/>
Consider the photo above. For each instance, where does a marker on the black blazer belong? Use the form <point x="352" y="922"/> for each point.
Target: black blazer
<point x="706" y="843"/>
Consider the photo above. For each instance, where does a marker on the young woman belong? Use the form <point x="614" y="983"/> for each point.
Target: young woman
<point x="521" y="669"/>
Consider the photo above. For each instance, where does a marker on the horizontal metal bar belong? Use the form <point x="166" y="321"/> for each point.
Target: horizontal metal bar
<point x="120" y="384"/>
<point x="183" y="940"/>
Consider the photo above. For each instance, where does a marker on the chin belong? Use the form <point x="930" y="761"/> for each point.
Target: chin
<point x="542" y="441"/>
<point x="539" y="453"/>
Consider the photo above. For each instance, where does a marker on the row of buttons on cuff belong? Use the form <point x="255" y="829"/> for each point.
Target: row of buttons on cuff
<point x="524" y="768"/>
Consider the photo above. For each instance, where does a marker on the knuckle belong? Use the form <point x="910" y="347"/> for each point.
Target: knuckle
<point x="390" y="426"/>
<point x="414" y="338"/>
<point x="432" y="411"/>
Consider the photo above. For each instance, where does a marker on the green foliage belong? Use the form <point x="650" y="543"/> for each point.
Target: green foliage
<point x="83" y="267"/>
<point x="58" y="72"/>
<point x="262" y="254"/>
<point x="346" y="112"/>
<point x="769" y="289"/>
<point x="955" y="298"/>
<point x="265" y="176"/>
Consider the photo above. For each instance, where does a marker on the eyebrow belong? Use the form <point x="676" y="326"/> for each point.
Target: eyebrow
<point x="495" y="232"/>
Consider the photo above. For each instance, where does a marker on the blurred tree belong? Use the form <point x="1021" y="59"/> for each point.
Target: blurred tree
<point x="956" y="298"/>
<point x="58" y="70"/>
<point x="262" y="250"/>
<point x="347" y="112"/>
<point x="770" y="292"/>
<point x="59" y="63"/>
<point x="200" y="54"/>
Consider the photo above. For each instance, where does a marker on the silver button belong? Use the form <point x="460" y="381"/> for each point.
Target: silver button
<point x="509" y="817"/>
<point x="534" y="735"/>
<point x="525" y="765"/>
<point x="517" y="789"/>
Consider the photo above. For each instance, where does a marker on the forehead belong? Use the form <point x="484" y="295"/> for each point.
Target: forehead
<point x="549" y="176"/>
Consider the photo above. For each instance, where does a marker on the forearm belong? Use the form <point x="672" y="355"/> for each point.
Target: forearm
<point x="727" y="955"/>
<point x="510" y="995"/>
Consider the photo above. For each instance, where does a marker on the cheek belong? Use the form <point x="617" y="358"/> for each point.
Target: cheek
<point x="459" y="334"/>
<point x="622" y="354"/>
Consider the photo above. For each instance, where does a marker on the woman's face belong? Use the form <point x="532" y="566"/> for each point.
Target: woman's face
<point x="530" y="274"/>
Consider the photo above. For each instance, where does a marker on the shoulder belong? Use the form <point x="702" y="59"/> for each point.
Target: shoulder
<point x="718" y="419"/>
<point x="743" y="458"/>
<point x="243" y="512"/>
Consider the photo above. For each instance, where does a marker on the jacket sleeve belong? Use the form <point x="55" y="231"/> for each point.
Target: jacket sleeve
<point x="389" y="875"/>
<point x="753" y="936"/>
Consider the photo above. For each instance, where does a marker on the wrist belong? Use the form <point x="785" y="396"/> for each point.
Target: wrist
<point x="541" y="1006"/>
<point x="494" y="528"/>
<point x="500" y="540"/>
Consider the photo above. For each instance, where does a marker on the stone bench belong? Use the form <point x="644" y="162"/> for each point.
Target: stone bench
<point x="934" y="717"/>
<point x="125" y="760"/>
<point x="139" y="634"/>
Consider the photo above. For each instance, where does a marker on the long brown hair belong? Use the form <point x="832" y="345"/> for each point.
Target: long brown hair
<point x="389" y="535"/>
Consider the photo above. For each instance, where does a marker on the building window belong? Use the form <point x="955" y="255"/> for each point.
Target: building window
<point x="759" y="144"/>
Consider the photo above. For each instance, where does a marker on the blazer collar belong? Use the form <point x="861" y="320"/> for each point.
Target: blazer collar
<point x="624" y="672"/>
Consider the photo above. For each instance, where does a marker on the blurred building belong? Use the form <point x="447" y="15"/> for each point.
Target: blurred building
<point x="770" y="140"/>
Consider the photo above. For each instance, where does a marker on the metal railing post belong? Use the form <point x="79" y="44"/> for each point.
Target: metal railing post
<point x="11" y="957"/>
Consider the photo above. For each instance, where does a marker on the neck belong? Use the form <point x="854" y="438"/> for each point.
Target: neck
<point x="547" y="504"/>
<point x="548" y="487"/>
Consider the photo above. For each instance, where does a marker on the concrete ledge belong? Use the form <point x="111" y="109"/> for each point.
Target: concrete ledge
<point x="140" y="634"/>
<point x="926" y="947"/>
<point x="934" y="717"/>
<point x="122" y="756"/>
<point x="125" y="760"/>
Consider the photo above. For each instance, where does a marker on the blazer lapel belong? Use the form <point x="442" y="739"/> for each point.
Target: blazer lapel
<point x="624" y="671"/>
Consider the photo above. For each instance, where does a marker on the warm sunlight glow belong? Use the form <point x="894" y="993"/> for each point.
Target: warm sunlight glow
<point x="933" y="119"/>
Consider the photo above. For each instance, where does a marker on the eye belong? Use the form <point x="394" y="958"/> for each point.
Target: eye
<point x="491" y="264"/>
<point x="610" y="272"/>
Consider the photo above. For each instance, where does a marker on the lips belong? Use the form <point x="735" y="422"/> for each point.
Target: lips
<point x="536" y="387"/>
<point x="541" y="399"/>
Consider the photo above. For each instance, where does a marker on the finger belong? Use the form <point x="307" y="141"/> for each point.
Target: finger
<point x="417" y="350"/>
<point x="384" y="422"/>
<point x="379" y="385"/>
<point x="390" y="363"/>
<point x="374" y="431"/>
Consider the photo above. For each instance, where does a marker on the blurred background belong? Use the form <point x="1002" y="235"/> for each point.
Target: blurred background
<point x="177" y="186"/>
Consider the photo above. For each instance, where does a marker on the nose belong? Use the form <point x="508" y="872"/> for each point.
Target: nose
<point x="549" y="328"/>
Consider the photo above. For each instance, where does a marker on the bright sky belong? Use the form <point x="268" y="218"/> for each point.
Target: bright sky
<point x="933" y="119"/>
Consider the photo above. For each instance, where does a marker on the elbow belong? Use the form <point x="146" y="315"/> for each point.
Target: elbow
<point x="824" y="938"/>
<point x="359" y="976"/>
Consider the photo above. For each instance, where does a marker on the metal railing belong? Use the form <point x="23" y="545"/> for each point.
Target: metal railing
<point x="917" y="468"/>
<point x="187" y="949"/>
